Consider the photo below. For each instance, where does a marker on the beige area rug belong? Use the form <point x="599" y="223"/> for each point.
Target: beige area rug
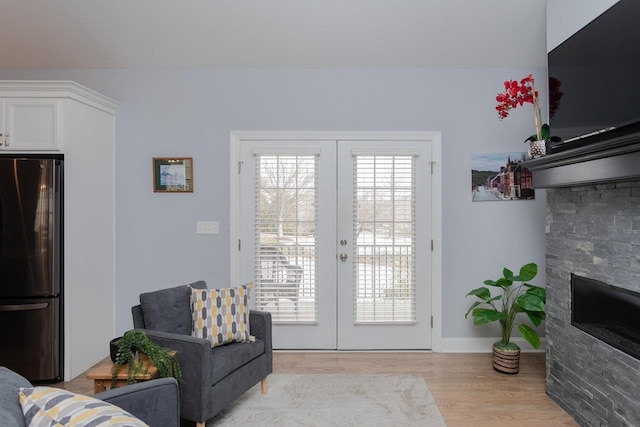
<point x="335" y="400"/>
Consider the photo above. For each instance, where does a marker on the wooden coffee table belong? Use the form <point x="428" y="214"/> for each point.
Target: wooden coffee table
<point x="102" y="373"/>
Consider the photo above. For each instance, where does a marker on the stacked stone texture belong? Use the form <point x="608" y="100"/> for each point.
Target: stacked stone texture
<point x="592" y="231"/>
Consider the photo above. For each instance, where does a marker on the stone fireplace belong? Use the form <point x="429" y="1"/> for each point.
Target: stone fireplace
<point x="593" y="232"/>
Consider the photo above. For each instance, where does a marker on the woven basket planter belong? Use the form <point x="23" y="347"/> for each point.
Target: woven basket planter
<point x="506" y="361"/>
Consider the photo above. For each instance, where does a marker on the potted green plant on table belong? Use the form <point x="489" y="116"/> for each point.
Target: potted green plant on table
<point x="514" y="296"/>
<point x="134" y="347"/>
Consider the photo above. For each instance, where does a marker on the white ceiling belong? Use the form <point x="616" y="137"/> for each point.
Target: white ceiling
<point x="272" y="33"/>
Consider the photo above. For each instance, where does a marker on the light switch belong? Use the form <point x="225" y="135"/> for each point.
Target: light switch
<point x="207" y="227"/>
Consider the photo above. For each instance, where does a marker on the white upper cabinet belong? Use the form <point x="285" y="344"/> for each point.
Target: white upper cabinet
<point x="62" y="117"/>
<point x="31" y="124"/>
<point x="42" y="116"/>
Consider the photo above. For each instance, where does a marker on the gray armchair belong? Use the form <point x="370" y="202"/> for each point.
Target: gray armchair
<point x="213" y="378"/>
<point x="155" y="402"/>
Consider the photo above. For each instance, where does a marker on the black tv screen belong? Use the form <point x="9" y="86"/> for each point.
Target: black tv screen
<point x="594" y="78"/>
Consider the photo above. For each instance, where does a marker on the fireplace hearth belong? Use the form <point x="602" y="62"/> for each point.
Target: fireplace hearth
<point x="608" y="313"/>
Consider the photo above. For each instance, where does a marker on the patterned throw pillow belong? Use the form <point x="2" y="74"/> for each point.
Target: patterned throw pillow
<point x="49" y="406"/>
<point x="221" y="315"/>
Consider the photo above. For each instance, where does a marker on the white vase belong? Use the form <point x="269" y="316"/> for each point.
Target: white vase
<point x="537" y="149"/>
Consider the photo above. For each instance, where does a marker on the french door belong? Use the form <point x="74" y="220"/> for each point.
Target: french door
<point x="336" y="237"/>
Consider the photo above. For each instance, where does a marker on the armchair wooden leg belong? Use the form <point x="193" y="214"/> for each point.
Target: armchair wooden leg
<point x="264" y="386"/>
<point x="199" y="424"/>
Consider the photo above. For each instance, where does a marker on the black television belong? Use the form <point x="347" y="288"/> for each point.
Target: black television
<point x="594" y="81"/>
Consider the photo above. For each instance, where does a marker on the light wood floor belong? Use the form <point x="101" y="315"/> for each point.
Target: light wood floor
<point x="467" y="390"/>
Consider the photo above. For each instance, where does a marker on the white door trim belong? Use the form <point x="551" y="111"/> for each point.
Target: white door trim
<point x="436" y="203"/>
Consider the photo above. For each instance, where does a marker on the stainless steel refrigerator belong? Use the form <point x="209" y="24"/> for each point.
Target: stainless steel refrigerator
<point x="31" y="266"/>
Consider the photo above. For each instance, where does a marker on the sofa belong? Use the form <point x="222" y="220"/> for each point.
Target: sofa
<point x="154" y="402"/>
<point x="212" y="377"/>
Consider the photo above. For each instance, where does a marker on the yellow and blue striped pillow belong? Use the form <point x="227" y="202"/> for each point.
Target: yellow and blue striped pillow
<point x="221" y="315"/>
<point x="49" y="406"/>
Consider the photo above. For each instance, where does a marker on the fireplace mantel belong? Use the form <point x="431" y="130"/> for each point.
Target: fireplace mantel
<point x="614" y="160"/>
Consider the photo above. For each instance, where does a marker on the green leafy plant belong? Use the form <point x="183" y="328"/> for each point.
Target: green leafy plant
<point x="513" y="298"/>
<point x="137" y="343"/>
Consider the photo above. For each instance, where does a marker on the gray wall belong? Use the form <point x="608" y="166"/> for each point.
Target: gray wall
<point x="190" y="113"/>
<point x="566" y="17"/>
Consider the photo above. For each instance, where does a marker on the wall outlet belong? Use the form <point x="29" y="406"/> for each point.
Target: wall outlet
<point x="207" y="227"/>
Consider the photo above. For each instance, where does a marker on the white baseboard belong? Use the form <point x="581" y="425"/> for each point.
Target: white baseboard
<point x="485" y="345"/>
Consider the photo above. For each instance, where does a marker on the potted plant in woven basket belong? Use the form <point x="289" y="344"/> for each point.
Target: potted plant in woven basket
<point x="514" y="296"/>
<point x="517" y="94"/>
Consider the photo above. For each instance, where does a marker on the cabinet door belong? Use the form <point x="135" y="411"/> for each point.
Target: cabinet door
<point x="33" y="124"/>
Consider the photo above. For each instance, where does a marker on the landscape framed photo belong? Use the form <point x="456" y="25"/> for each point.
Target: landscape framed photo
<point x="498" y="177"/>
<point x="173" y="174"/>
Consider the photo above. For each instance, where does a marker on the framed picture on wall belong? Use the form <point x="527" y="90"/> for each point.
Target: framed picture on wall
<point x="173" y="174"/>
<point x="500" y="177"/>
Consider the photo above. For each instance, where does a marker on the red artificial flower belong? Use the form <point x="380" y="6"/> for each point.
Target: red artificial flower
<point x="520" y="93"/>
<point x="516" y="93"/>
<point x="527" y="79"/>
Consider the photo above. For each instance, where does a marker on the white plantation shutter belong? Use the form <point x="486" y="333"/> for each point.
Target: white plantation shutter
<point x="384" y="235"/>
<point x="286" y="236"/>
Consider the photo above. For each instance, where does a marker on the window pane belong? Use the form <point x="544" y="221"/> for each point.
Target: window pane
<point x="384" y="268"/>
<point x="286" y="224"/>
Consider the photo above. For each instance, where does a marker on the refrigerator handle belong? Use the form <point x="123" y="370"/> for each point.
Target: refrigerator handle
<point x="1" y="225"/>
<point x="58" y="227"/>
<point x="24" y="307"/>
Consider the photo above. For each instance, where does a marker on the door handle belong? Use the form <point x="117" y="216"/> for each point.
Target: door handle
<point x="343" y="257"/>
<point x="24" y="307"/>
